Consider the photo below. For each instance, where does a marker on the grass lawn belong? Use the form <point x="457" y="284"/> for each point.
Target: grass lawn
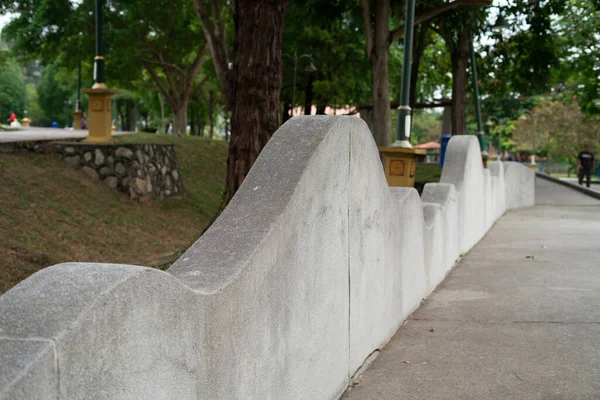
<point x="428" y="173"/>
<point x="50" y="213"/>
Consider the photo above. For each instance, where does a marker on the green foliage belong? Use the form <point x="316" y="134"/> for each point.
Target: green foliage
<point x="12" y="89"/>
<point x="34" y="111"/>
<point x="557" y="128"/>
<point x="329" y="32"/>
<point x="55" y="98"/>
<point x="579" y="27"/>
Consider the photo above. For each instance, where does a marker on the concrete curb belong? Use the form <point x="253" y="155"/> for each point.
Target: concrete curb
<point x="578" y="188"/>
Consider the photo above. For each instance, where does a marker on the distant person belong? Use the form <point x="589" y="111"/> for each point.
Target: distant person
<point x="12" y="118"/>
<point x="585" y="160"/>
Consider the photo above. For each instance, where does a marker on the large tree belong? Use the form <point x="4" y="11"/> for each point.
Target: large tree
<point x="160" y="36"/>
<point x="252" y="87"/>
<point x="379" y="38"/>
<point x="12" y="89"/>
<point x="327" y="31"/>
<point x="456" y="29"/>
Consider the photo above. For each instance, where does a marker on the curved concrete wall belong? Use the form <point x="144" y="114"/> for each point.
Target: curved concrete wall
<point x="311" y="268"/>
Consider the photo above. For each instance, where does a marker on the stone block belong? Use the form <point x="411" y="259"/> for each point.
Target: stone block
<point x="69" y="150"/>
<point x="140" y="184"/>
<point x="105" y="171"/>
<point x="111" y="182"/>
<point x="124" y="152"/>
<point x="120" y="168"/>
<point x="72" y="161"/>
<point x="87" y="156"/>
<point x="99" y="157"/>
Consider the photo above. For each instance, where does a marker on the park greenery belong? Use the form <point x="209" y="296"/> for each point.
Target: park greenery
<point x="208" y="68"/>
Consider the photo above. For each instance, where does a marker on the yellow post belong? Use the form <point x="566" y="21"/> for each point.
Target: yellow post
<point x="99" y="113"/>
<point x="25" y="122"/>
<point x="401" y="165"/>
<point x="484" y="160"/>
<point x="77" y="115"/>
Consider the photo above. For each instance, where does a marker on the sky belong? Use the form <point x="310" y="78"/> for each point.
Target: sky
<point x="4" y="20"/>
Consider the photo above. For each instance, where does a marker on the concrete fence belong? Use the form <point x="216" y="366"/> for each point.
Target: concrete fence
<point x="311" y="269"/>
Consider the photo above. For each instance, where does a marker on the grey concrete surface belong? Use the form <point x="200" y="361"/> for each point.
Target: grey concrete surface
<point x="518" y="177"/>
<point x="311" y="268"/>
<point x="595" y="186"/>
<point x="518" y="318"/>
<point x="550" y="193"/>
<point x="37" y="134"/>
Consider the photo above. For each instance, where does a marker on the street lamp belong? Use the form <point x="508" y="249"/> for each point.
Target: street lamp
<point x="480" y="133"/>
<point x="400" y="158"/>
<point x="404" y="111"/>
<point x="78" y="114"/>
<point x="310" y="68"/>
<point x="99" y="104"/>
<point x="25" y="121"/>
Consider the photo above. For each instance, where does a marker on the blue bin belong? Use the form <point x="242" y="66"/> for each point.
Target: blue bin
<point x="598" y="170"/>
<point x="444" y="145"/>
<point x="55" y="124"/>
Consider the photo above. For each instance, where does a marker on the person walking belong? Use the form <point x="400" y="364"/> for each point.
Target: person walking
<point x="585" y="160"/>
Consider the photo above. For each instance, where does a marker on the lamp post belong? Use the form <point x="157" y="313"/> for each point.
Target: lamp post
<point x="310" y="68"/>
<point x="25" y="121"/>
<point x="480" y="133"/>
<point x="78" y="114"/>
<point x="99" y="104"/>
<point x="404" y="111"/>
<point x="400" y="158"/>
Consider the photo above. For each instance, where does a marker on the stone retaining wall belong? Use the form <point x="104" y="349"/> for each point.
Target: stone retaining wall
<point x="145" y="171"/>
<point x="39" y="146"/>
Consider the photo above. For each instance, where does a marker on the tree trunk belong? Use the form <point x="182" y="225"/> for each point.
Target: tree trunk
<point x="308" y="95"/>
<point x="382" y="123"/>
<point x="180" y="119"/>
<point x="257" y="84"/>
<point x="163" y="123"/>
<point x="211" y="117"/>
<point x="121" y="115"/>
<point x="460" y="61"/>
<point x="129" y="116"/>
<point x="321" y="107"/>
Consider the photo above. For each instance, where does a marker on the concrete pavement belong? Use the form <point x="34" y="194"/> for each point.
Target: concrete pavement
<point x="40" y="134"/>
<point x="593" y="186"/>
<point x="518" y="318"/>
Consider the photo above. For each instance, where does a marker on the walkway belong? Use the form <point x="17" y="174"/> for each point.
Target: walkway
<point x="38" y="134"/>
<point x="594" y="186"/>
<point x="518" y="318"/>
